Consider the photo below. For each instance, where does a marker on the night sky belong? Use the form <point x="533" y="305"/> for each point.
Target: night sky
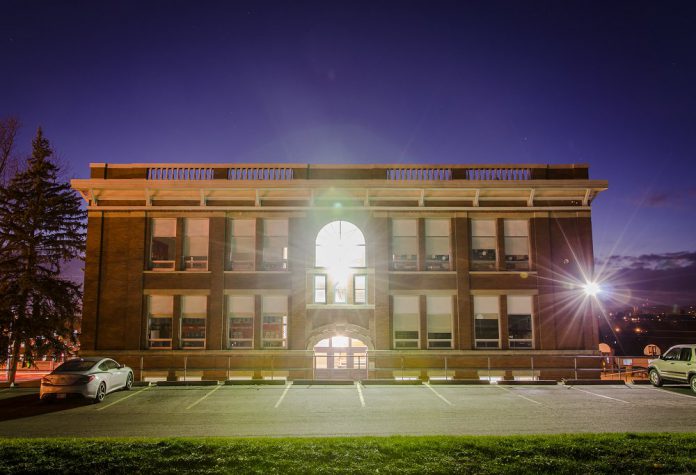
<point x="611" y="84"/>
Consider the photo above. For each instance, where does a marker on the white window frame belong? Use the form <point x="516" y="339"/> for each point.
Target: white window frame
<point x="438" y="262"/>
<point x="196" y="262"/>
<point x="433" y="342"/>
<point x="194" y="343"/>
<point x="512" y="234"/>
<point x="484" y="313"/>
<point x="363" y="300"/>
<point x="160" y="265"/>
<point x="413" y="303"/>
<point x="483" y="264"/>
<point x="240" y="264"/>
<point x="274" y="314"/>
<point x="151" y="336"/>
<point x="247" y="314"/>
<point x="515" y="307"/>
<point x="319" y="291"/>
<point x="404" y="262"/>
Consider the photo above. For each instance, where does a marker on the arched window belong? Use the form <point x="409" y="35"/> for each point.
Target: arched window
<point x="340" y="245"/>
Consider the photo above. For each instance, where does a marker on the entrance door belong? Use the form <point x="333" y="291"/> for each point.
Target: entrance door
<point x="340" y="357"/>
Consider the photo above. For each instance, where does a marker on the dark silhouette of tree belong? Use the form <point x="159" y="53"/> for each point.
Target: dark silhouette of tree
<point x="41" y="227"/>
<point x="8" y="132"/>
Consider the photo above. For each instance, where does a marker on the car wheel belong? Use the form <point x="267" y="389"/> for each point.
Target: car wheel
<point x="129" y="382"/>
<point x="655" y="378"/>
<point x="692" y="382"/>
<point x="101" y="392"/>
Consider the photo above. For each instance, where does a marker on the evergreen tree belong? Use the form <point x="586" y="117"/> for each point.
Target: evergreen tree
<point x="41" y="227"/>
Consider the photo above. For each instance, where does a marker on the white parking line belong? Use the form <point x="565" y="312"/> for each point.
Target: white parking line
<point x="519" y="395"/>
<point x="438" y="394"/>
<point x="204" y="396"/>
<point x="3" y="390"/>
<point x="666" y="391"/>
<point x="123" y="398"/>
<point x="599" y="395"/>
<point x="362" y="399"/>
<point x="282" y="396"/>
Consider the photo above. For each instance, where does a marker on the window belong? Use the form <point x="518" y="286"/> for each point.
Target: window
<point x="516" y="244"/>
<point x="163" y="244"/>
<point x="519" y="310"/>
<point x="437" y="244"/>
<point x="340" y="291"/>
<point x="406" y="313"/>
<point x="483" y="244"/>
<point x="275" y="321"/>
<point x="340" y="245"/>
<point x="242" y="244"/>
<point x="240" y="321"/>
<point x="360" y="289"/>
<point x="486" y="314"/>
<point x="275" y="244"/>
<point x="439" y="313"/>
<point x="673" y="354"/>
<point x="320" y="288"/>
<point x="685" y="354"/>
<point x="196" y="244"/>
<point x="193" y="317"/>
<point x="404" y="244"/>
<point x="160" y="309"/>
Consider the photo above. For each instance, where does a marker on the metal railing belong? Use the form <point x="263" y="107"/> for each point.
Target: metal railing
<point x="376" y="366"/>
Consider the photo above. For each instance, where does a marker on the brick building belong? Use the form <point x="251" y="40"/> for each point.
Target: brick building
<point x="338" y="271"/>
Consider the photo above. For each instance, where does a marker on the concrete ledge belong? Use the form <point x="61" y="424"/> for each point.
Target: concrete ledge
<point x="539" y="382"/>
<point x="333" y="382"/>
<point x="391" y="382"/>
<point x="140" y="384"/>
<point x="640" y="381"/>
<point x="595" y="382"/>
<point x="255" y="382"/>
<point x="478" y="382"/>
<point x="187" y="383"/>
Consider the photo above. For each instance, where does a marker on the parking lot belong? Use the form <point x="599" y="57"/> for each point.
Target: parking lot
<point x="316" y="410"/>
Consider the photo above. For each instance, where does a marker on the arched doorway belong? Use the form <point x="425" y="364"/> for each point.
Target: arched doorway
<point x="340" y="357"/>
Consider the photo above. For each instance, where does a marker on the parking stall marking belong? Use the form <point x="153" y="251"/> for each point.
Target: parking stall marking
<point x="599" y="395"/>
<point x="123" y="398"/>
<point x="204" y="396"/>
<point x="438" y="394"/>
<point x="667" y="391"/>
<point x="282" y="396"/>
<point x="360" y="393"/>
<point x="519" y="395"/>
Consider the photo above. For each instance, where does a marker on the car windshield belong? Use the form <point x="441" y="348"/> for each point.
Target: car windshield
<point x="75" y="365"/>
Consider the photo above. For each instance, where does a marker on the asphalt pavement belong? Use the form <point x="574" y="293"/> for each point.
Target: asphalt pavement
<point x="351" y="410"/>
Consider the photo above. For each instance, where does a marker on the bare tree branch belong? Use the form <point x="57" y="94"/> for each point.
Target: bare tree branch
<point x="8" y="133"/>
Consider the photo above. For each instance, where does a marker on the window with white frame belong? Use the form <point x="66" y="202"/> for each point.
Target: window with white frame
<point x="516" y="244"/>
<point x="340" y="245"/>
<point x="194" y="310"/>
<point x="406" y="321"/>
<point x="163" y="244"/>
<point x="519" y="316"/>
<point x="486" y="321"/>
<point x="160" y="310"/>
<point x="483" y="244"/>
<point x="196" y="244"/>
<point x="240" y="321"/>
<point x="274" y="323"/>
<point x="320" y="288"/>
<point x="404" y="243"/>
<point x="275" y="244"/>
<point x="242" y="244"/>
<point x="439" y="316"/>
<point x="360" y="289"/>
<point x="437" y="244"/>
<point x="340" y="291"/>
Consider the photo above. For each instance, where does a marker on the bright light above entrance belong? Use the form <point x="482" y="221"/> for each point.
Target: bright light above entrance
<point x="340" y="245"/>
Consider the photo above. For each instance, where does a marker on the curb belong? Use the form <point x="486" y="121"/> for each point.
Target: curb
<point x="540" y="382"/>
<point x="391" y="382"/>
<point x="187" y="383"/>
<point x="331" y="382"/>
<point x="593" y="382"/>
<point x="475" y="382"/>
<point x="254" y="382"/>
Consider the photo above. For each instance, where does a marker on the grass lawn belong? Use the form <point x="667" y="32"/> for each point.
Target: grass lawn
<point x="587" y="453"/>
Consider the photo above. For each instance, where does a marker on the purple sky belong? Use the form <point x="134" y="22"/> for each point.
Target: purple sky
<point x="612" y="84"/>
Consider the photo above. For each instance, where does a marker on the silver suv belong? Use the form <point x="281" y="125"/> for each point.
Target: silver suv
<point x="678" y="364"/>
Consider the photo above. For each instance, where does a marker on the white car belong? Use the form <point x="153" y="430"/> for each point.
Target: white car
<point x="678" y="364"/>
<point x="93" y="378"/>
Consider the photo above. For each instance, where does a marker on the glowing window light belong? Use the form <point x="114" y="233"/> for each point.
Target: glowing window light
<point x="340" y="245"/>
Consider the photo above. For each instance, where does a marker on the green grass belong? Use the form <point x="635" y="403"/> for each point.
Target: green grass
<point x="557" y="454"/>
